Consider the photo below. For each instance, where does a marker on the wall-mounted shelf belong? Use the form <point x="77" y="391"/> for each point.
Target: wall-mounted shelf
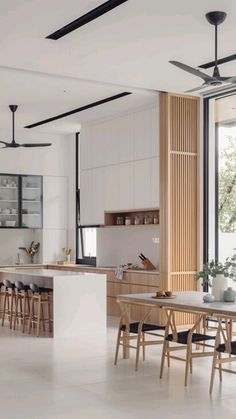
<point x="20" y="193"/>
<point x="137" y="218"/>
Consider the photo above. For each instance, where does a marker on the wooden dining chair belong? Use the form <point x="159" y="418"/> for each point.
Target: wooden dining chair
<point x="137" y="331"/>
<point x="223" y="346"/>
<point x="184" y="340"/>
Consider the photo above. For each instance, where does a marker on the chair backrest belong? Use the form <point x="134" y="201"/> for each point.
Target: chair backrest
<point x="34" y="287"/>
<point x="7" y="283"/>
<point x="224" y="332"/>
<point x="19" y="285"/>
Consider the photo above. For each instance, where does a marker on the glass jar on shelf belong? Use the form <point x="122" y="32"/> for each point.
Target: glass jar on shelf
<point x="127" y="220"/>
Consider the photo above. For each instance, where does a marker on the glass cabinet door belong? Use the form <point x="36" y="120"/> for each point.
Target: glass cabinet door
<point x="9" y="201"/>
<point x="32" y="202"/>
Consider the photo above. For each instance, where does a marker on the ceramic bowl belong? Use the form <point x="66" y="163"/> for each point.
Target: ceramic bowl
<point x="208" y="298"/>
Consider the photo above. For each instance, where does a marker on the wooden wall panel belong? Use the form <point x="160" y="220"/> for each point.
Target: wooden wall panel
<point x="179" y="193"/>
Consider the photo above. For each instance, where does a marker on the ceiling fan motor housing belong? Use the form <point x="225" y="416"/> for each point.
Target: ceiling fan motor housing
<point x="216" y="18"/>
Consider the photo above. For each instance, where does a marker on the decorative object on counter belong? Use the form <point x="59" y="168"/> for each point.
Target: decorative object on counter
<point x="216" y="275"/>
<point x="119" y="272"/>
<point x="32" y="250"/>
<point x="208" y="298"/>
<point x="146" y="262"/>
<point x="127" y="221"/>
<point x="67" y="252"/>
<point x="229" y="295"/>
<point x="163" y="294"/>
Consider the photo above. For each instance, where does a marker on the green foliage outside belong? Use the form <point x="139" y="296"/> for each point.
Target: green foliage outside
<point x="227" y="186"/>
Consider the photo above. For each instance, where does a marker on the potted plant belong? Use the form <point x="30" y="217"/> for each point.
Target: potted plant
<point x="216" y="275"/>
<point x="32" y="250"/>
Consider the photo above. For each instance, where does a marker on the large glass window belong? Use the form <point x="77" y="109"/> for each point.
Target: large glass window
<point x="221" y="177"/>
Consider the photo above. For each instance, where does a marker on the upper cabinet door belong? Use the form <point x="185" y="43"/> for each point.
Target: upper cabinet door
<point x="9" y="201"/>
<point x="126" y="139"/>
<point x="142" y="184"/>
<point x="112" y="195"/>
<point x="155" y="182"/>
<point x="86" y="186"/>
<point x="126" y="186"/>
<point x="32" y="202"/>
<point x="98" y="196"/>
<point x="146" y="134"/>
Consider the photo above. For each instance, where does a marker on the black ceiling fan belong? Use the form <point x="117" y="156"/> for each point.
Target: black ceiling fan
<point x="13" y="143"/>
<point x="215" y="19"/>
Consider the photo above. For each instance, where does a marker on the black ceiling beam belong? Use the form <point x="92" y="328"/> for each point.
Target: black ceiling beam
<point x="82" y="108"/>
<point x="83" y="20"/>
<point x="220" y="61"/>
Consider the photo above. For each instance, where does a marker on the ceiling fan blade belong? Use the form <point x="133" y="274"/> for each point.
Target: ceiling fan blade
<point x="36" y="145"/>
<point x="4" y="142"/>
<point x="191" y="70"/>
<point x="195" y="89"/>
<point x="229" y="79"/>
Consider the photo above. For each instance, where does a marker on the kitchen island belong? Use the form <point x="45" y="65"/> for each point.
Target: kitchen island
<point x="79" y="298"/>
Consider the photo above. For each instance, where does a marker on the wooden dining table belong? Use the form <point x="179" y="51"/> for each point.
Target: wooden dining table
<point x="188" y="302"/>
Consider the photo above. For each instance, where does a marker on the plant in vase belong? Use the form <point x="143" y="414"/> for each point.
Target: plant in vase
<point x="31" y="250"/>
<point x="216" y="275"/>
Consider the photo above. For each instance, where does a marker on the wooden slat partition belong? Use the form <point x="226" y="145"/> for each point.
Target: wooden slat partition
<point x="179" y="193"/>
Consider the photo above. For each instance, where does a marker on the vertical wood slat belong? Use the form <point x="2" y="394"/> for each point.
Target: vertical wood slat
<point x="179" y="193"/>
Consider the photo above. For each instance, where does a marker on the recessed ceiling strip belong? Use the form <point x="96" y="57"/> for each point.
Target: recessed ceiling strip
<point x="82" y="108"/>
<point x="83" y="20"/>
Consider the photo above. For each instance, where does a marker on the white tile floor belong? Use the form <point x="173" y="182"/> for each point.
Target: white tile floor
<point x="41" y="378"/>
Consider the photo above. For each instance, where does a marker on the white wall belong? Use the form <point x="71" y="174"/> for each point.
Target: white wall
<point x="54" y="164"/>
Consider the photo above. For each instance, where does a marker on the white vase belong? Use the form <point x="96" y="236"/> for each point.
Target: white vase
<point x="219" y="285"/>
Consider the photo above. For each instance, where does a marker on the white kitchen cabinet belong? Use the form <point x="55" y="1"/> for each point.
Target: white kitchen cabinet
<point x="85" y="148"/>
<point x="86" y="197"/>
<point x="98" y="196"/>
<point x="126" y="186"/>
<point x="155" y="182"/>
<point x="145" y="134"/>
<point x="112" y="192"/>
<point x="92" y="196"/>
<point x="126" y="139"/>
<point x="142" y="184"/>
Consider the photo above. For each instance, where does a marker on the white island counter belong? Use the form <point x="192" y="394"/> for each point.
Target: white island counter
<point x="79" y="299"/>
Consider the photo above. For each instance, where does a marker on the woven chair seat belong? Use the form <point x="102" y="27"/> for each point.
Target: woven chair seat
<point x="221" y="348"/>
<point x="182" y="337"/>
<point x="147" y="327"/>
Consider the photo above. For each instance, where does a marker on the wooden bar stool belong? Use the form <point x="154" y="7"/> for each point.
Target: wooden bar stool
<point x="9" y="298"/>
<point x="40" y="297"/>
<point x="22" y="297"/>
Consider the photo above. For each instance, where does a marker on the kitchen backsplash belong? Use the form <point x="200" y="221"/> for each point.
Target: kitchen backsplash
<point x="120" y="245"/>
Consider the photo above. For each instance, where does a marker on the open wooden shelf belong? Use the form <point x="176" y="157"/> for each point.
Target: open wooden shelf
<point x="111" y="217"/>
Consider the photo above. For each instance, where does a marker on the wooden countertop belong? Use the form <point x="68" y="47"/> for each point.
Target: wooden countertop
<point x="74" y="266"/>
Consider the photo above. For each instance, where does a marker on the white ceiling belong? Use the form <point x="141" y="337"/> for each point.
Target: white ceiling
<point x="129" y="46"/>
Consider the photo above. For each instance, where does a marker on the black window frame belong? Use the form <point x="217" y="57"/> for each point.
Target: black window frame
<point x="85" y="260"/>
<point x="206" y="156"/>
